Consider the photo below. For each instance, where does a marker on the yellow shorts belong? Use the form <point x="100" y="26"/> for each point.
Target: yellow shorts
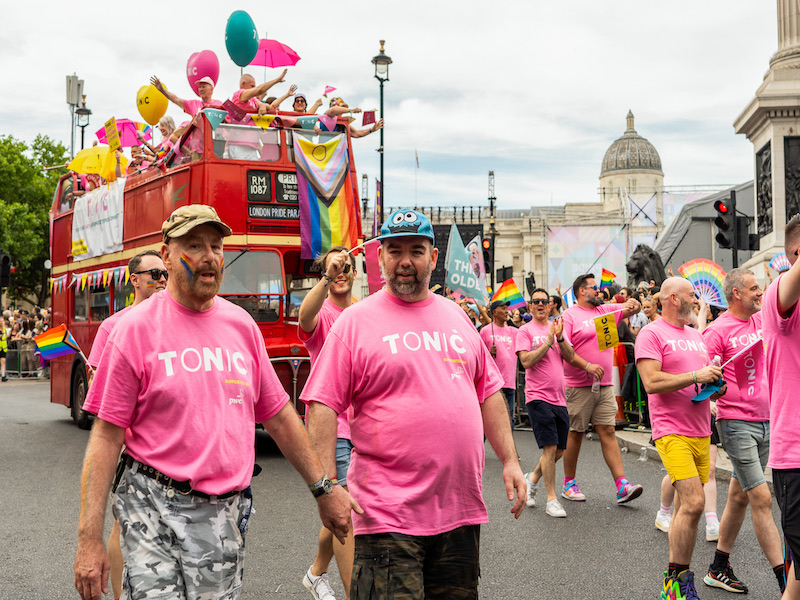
<point x="684" y="457"/>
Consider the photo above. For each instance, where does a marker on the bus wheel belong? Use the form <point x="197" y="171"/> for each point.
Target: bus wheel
<point x="81" y="418"/>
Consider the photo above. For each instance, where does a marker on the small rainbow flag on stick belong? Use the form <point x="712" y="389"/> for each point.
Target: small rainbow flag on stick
<point x="606" y="279"/>
<point x="509" y="292"/>
<point x="56" y="342"/>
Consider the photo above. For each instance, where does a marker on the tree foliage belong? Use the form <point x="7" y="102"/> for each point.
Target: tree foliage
<point x="26" y="194"/>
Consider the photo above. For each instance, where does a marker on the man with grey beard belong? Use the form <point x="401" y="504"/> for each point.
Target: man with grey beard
<point x="673" y="360"/>
<point x="399" y="357"/>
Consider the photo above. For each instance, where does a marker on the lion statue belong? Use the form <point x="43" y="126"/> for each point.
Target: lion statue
<point x="645" y="265"/>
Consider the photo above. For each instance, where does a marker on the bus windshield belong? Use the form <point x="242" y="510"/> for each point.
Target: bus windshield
<point x="254" y="281"/>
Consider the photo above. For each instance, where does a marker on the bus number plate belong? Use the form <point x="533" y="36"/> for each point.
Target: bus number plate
<point x="260" y="211"/>
<point x="259" y="186"/>
<point x="286" y="187"/>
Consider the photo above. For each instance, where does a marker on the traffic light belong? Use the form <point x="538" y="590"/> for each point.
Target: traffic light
<point x="744" y="239"/>
<point x="5" y="269"/>
<point x="488" y="259"/>
<point x="725" y="222"/>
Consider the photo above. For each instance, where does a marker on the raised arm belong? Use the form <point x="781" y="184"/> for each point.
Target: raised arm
<point x="308" y="316"/>
<point x="170" y="96"/>
<point x="357" y="133"/>
<point x="277" y="102"/>
<point x="789" y="290"/>
<point x="260" y="90"/>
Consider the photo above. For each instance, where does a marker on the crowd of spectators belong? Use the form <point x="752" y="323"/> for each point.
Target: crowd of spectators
<point x="18" y="327"/>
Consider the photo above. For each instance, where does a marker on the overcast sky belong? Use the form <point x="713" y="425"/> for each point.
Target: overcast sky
<point x="535" y="91"/>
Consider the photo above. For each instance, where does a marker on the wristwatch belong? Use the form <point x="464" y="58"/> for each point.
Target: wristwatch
<point x="323" y="486"/>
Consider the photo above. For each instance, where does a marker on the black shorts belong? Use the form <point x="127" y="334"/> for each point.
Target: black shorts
<point x="550" y="423"/>
<point x="786" y="483"/>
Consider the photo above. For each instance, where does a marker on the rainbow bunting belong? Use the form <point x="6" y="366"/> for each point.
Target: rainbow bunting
<point x="706" y="276"/>
<point x="56" y="342"/>
<point x="509" y="292"/>
<point x="327" y="210"/>
<point x="606" y="279"/>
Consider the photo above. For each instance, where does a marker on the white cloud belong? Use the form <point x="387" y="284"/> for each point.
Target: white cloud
<point x="534" y="90"/>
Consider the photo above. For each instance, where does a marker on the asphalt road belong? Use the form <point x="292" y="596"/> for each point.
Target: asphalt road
<point x="600" y="550"/>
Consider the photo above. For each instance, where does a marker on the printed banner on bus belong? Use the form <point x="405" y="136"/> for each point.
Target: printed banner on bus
<point x="97" y="221"/>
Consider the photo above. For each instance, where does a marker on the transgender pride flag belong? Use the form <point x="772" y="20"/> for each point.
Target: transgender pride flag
<point x="327" y="202"/>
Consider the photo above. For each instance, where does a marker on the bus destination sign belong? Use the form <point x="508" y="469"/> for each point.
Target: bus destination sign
<point x="270" y="211"/>
<point x="286" y="187"/>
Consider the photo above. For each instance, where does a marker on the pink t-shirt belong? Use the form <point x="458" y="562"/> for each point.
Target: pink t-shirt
<point x="416" y="374"/>
<point x="189" y="400"/>
<point x="313" y="342"/>
<point x="102" y="336"/>
<point x="782" y="343"/>
<point x="580" y="329"/>
<point x="747" y="396"/>
<point x="680" y="350"/>
<point x="505" y="338"/>
<point x="192" y="107"/>
<point x="545" y="379"/>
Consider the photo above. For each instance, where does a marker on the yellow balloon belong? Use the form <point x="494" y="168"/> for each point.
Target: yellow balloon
<point x="151" y="103"/>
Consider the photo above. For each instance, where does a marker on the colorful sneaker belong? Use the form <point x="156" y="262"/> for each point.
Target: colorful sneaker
<point x="318" y="586"/>
<point x="712" y="531"/>
<point x="572" y="492"/>
<point x="554" y="508"/>
<point x="532" y="487"/>
<point x="685" y="585"/>
<point x="724" y="579"/>
<point x="663" y="520"/>
<point x="670" y="590"/>
<point x="628" y="492"/>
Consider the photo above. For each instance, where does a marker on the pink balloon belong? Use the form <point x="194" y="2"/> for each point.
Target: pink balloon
<point x="202" y="64"/>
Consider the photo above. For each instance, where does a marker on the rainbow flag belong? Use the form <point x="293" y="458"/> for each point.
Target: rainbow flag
<point x="606" y="279"/>
<point x="56" y="342"/>
<point x="509" y="292"/>
<point x="327" y="206"/>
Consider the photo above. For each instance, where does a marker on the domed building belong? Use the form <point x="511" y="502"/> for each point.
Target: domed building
<point x="631" y="163"/>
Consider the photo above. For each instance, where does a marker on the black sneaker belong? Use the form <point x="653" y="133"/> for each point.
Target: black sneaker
<point x="725" y="579"/>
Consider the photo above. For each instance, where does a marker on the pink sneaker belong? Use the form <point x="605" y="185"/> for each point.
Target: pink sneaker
<point x="572" y="492"/>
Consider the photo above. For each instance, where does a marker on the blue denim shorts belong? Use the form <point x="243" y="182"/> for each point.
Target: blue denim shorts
<point x="343" y="449"/>
<point x="747" y="445"/>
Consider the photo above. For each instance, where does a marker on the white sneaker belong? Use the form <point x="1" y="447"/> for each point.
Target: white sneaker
<point x="554" y="509"/>
<point x="532" y="487"/>
<point x="712" y="531"/>
<point x="318" y="586"/>
<point x="663" y="520"/>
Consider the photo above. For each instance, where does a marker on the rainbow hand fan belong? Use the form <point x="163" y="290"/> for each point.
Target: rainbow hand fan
<point x="780" y="263"/>
<point x="706" y="276"/>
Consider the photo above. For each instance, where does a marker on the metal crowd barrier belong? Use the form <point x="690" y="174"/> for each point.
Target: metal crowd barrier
<point x="14" y="361"/>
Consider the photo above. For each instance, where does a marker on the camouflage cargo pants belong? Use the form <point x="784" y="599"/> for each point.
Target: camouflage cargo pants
<point x="177" y="546"/>
<point x="393" y="566"/>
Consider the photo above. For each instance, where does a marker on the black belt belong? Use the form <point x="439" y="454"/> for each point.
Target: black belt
<point x="182" y="487"/>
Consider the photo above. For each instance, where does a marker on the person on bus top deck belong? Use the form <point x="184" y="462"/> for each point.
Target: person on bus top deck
<point x="137" y="163"/>
<point x="205" y="88"/>
<point x="151" y="393"/>
<point x="243" y="145"/>
<point x="339" y="107"/>
<point x="300" y="104"/>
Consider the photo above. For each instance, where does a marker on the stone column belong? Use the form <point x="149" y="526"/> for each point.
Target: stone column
<point x="772" y="123"/>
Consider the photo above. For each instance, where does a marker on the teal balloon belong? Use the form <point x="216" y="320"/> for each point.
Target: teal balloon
<point x="241" y="38"/>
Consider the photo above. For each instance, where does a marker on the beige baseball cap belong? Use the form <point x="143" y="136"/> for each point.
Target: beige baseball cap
<point x="184" y="219"/>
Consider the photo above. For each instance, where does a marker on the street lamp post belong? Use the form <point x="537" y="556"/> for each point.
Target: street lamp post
<point x="83" y="118"/>
<point x="381" y="62"/>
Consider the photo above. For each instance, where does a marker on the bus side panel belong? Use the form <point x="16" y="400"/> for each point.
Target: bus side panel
<point x="227" y="194"/>
<point x="61" y="242"/>
<point x="149" y="204"/>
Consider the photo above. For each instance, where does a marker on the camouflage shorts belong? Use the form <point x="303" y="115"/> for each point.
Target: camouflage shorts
<point x="394" y="566"/>
<point x="180" y="547"/>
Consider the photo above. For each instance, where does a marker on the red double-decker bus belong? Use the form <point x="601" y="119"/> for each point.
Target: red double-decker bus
<point x="264" y="273"/>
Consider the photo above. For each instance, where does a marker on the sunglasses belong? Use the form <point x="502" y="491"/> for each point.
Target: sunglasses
<point x="539" y="301"/>
<point x="156" y="274"/>
<point x="592" y="287"/>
